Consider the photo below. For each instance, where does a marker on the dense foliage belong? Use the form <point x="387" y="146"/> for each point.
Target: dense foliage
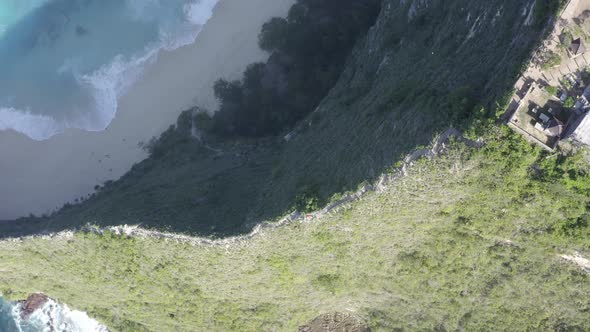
<point x="308" y="52"/>
<point x="545" y="8"/>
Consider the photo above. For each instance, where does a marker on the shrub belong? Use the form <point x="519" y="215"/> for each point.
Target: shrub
<point x="545" y="8"/>
<point x="551" y="90"/>
<point x="329" y="282"/>
<point x="573" y="226"/>
<point x="569" y="102"/>
<point x="307" y="203"/>
<point x="566" y="38"/>
<point x="552" y="60"/>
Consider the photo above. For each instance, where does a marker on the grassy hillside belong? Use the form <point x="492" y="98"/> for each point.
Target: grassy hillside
<point x="471" y="240"/>
<point x="425" y="65"/>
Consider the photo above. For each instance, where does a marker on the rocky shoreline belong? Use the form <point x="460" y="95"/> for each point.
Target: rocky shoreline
<point x="33" y="303"/>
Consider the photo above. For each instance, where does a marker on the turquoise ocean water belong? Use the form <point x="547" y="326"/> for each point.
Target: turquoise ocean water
<point x="13" y="10"/>
<point x="65" y="63"/>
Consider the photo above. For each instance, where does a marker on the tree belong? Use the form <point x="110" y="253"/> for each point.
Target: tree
<point x="551" y="90"/>
<point x="569" y="102"/>
<point x="552" y="60"/>
<point x="308" y="52"/>
<point x="272" y="36"/>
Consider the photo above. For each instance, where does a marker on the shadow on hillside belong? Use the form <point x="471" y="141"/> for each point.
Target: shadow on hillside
<point x="404" y="83"/>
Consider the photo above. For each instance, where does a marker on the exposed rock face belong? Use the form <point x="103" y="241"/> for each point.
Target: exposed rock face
<point x="335" y="322"/>
<point x="32" y="303"/>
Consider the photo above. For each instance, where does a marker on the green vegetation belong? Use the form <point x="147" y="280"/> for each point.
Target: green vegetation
<point x="404" y="81"/>
<point x="544" y="9"/>
<point x="470" y="240"/>
<point x="566" y="83"/>
<point x="553" y="59"/>
<point x="404" y="84"/>
<point x="566" y="38"/>
<point x="552" y="90"/>
<point x="308" y="52"/>
<point x="578" y="29"/>
<point x="306" y="203"/>
<point x="569" y="102"/>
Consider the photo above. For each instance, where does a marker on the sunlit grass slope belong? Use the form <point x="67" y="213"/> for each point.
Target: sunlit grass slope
<point x="471" y="240"/>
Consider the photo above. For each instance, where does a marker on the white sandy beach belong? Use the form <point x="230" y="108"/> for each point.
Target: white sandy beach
<point x="36" y="177"/>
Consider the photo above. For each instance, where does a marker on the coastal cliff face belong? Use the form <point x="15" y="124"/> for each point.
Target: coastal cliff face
<point x="423" y="66"/>
<point x="491" y="235"/>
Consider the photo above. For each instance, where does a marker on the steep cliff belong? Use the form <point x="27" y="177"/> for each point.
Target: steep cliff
<point x="423" y="66"/>
<point x="489" y="235"/>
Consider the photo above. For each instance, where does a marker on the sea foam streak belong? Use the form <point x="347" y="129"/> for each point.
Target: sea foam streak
<point x="52" y="316"/>
<point x="89" y="84"/>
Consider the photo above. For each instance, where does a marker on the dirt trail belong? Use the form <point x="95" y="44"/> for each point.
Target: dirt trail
<point x="580" y="261"/>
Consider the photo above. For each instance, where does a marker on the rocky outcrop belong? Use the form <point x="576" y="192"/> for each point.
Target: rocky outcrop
<point x="577" y="259"/>
<point x="335" y="322"/>
<point x="33" y="303"/>
<point x="43" y="314"/>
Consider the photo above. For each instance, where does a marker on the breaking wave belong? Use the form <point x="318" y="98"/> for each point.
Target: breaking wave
<point x="49" y="316"/>
<point x="66" y="63"/>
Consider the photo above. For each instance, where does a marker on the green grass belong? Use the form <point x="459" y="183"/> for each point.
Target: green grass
<point x="428" y="253"/>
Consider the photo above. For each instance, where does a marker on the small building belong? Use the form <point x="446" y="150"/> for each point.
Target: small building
<point x="555" y="128"/>
<point x="583" y="103"/>
<point x="576" y="48"/>
<point x="554" y="123"/>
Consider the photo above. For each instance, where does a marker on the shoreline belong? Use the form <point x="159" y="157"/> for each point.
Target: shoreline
<point x="40" y="176"/>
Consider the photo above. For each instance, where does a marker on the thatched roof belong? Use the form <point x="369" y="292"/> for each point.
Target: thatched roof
<point x="576" y="47"/>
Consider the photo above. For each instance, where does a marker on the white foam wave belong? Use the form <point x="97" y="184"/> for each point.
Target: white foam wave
<point x="52" y="316"/>
<point x="197" y="13"/>
<point x="37" y="127"/>
<point x="58" y="316"/>
<point x="113" y="80"/>
<point x="108" y="84"/>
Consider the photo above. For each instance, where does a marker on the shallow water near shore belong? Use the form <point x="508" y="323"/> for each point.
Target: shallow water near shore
<point x="65" y="63"/>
